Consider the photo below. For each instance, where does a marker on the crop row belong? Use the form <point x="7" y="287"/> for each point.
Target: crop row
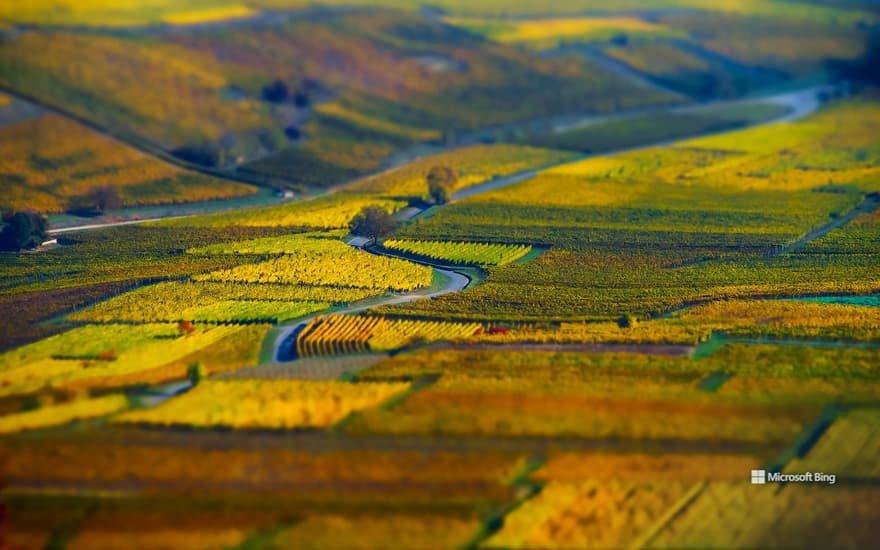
<point x="266" y="404"/>
<point x="176" y="301"/>
<point x="328" y="212"/>
<point x="775" y="517"/>
<point x="63" y="413"/>
<point x="98" y="355"/>
<point x="50" y="163"/>
<point x="589" y="514"/>
<point x="472" y="165"/>
<point x="461" y="252"/>
<point x="342" y="334"/>
<point x="332" y="263"/>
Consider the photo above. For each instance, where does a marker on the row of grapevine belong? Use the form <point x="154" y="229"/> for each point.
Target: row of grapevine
<point x="329" y="262"/>
<point x="461" y="252"/>
<point x="266" y="403"/>
<point x="345" y="334"/>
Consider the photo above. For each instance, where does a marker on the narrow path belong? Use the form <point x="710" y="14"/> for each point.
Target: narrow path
<point x="868" y="205"/>
<point x="91" y="226"/>
<point x="622" y="70"/>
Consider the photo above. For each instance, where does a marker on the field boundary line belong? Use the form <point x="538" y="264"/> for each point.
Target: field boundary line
<point x="673" y="512"/>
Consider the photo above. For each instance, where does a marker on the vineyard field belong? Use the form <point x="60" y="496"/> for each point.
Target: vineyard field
<point x="280" y="404"/>
<point x="546" y="34"/>
<point x="55" y="415"/>
<point x="849" y="447"/>
<point x="333" y="263"/>
<point x="94" y="354"/>
<point x="51" y="164"/>
<point x="436" y="274"/>
<point x="460" y="253"/>
<point x="493" y="409"/>
<point x="644" y="468"/>
<point x="798" y="515"/>
<point x="472" y="165"/>
<point x="609" y="514"/>
<point x="330" y="212"/>
<point x="341" y="334"/>
<point x="173" y="301"/>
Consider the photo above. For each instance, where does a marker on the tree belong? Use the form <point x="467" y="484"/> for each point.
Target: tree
<point x="196" y="373"/>
<point x="441" y="181"/>
<point x="372" y="222"/>
<point x="276" y="92"/>
<point x="22" y="230"/>
<point x="105" y="198"/>
<point x="627" y="321"/>
<point x="301" y="100"/>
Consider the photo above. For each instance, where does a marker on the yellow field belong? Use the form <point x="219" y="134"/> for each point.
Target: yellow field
<point x="777" y="157"/>
<point x="209" y="15"/>
<point x="122" y="13"/>
<point x="589" y="514"/>
<point x="63" y="413"/>
<point x="341" y="334"/>
<point x="803" y="319"/>
<point x="182" y="102"/>
<point x="91" y="355"/>
<point x="330" y="262"/>
<point x="549" y="33"/>
<point x="569" y="467"/>
<point x="472" y="165"/>
<point x="51" y="162"/>
<point x="379" y="532"/>
<point x="266" y="404"/>
<point x="329" y="212"/>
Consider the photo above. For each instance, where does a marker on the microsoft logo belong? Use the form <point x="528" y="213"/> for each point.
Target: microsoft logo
<point x="759" y="477"/>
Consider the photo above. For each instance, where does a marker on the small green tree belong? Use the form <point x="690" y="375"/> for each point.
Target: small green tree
<point x="196" y="373"/>
<point x="372" y="222"/>
<point x="441" y="181"/>
<point x="22" y="230"/>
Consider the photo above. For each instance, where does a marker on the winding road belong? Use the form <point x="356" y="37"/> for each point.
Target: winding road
<point x="284" y="336"/>
<point x="281" y="340"/>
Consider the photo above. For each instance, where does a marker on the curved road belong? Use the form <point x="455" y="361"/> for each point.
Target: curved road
<point x="800" y="103"/>
<point x="283" y="338"/>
